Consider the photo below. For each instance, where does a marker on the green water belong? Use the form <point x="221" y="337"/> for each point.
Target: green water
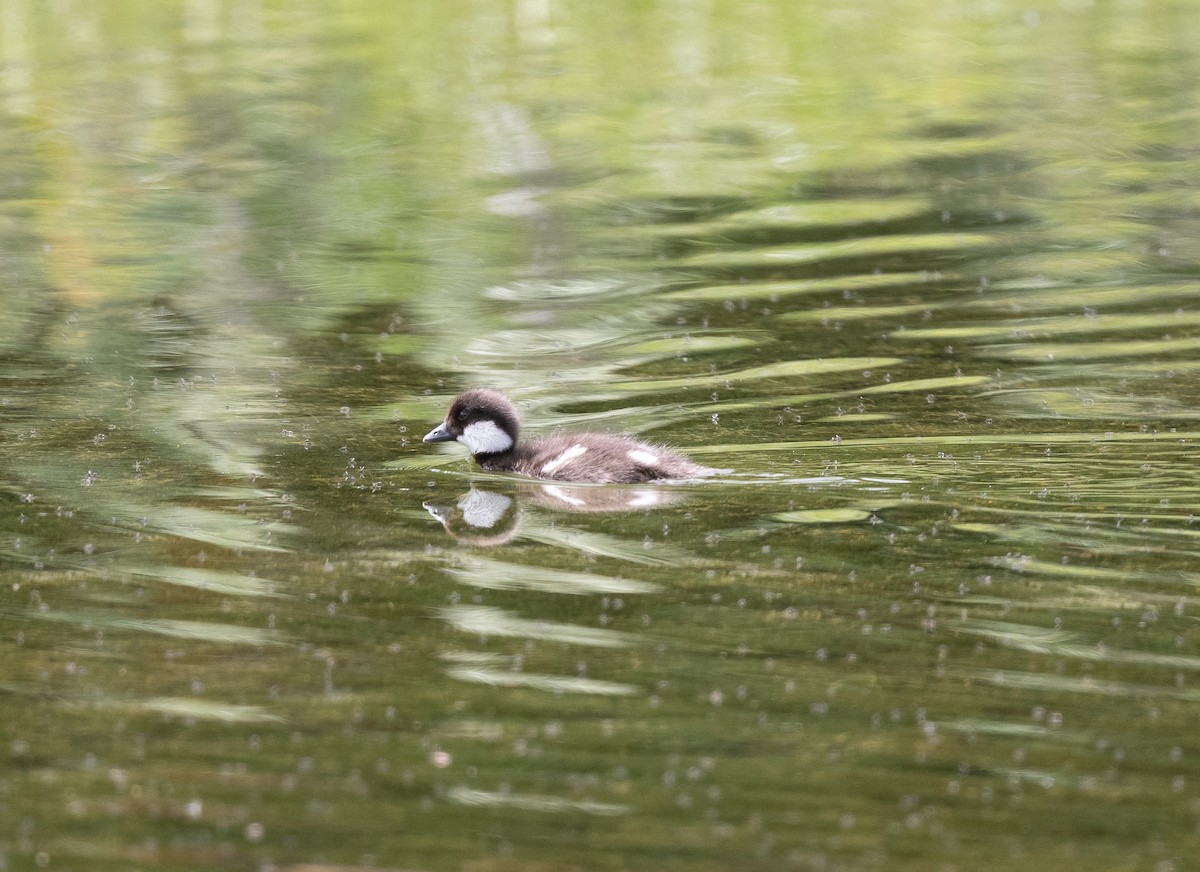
<point x="923" y="275"/>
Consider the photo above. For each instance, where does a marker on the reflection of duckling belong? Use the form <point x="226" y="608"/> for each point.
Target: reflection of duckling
<point x="598" y="499"/>
<point x="487" y="423"/>
<point x="479" y="518"/>
<point x="485" y="518"/>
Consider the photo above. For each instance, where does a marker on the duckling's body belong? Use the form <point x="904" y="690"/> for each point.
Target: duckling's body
<point x="487" y="423"/>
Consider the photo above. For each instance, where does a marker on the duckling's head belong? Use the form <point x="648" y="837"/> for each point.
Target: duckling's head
<point x="484" y="420"/>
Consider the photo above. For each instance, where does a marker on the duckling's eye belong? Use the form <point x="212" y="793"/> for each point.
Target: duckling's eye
<point x="463" y="414"/>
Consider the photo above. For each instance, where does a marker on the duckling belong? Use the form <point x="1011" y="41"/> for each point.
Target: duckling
<point x="487" y="423"/>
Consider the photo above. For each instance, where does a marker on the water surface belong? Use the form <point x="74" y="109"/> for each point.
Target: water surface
<point x="923" y="277"/>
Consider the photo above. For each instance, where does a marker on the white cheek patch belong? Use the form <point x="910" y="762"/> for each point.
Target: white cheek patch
<point x="483" y="509"/>
<point x="484" y="437"/>
<point x="645" y="458"/>
<point x="566" y="457"/>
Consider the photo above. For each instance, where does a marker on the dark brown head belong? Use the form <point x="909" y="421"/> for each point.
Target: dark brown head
<point x="483" y="420"/>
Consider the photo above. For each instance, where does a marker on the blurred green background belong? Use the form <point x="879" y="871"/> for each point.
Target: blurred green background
<point x="924" y="275"/>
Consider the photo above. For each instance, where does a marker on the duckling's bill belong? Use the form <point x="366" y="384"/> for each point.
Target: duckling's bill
<point x="440" y="433"/>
